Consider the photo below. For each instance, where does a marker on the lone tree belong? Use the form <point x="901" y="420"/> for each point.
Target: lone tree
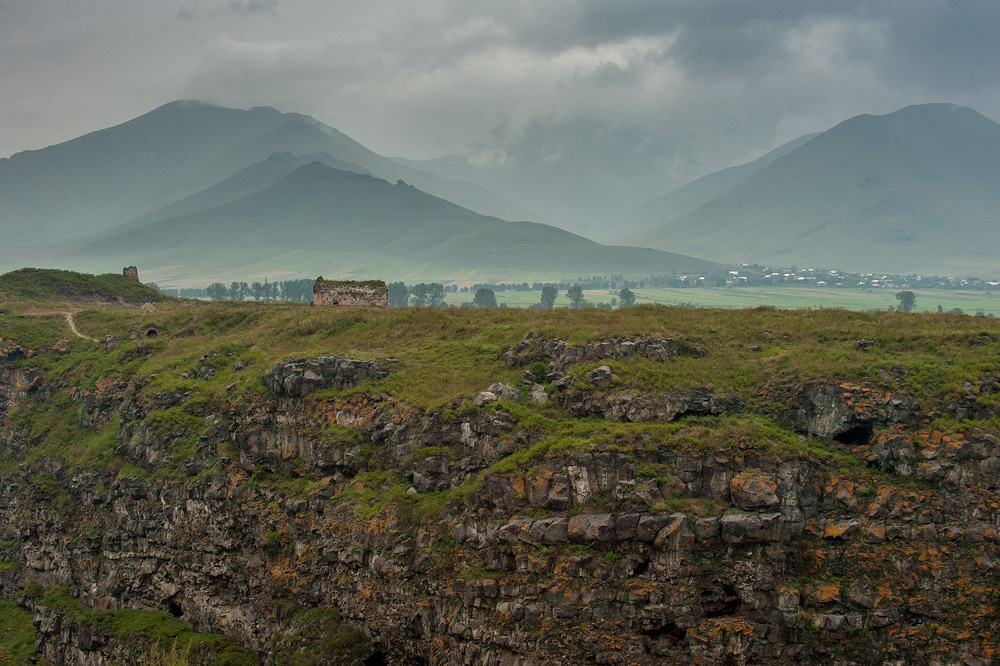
<point x="428" y="294"/>
<point x="485" y="298"/>
<point x="628" y="298"/>
<point x="420" y="296"/>
<point x="907" y="299"/>
<point x="435" y="295"/>
<point x="575" y="296"/>
<point x="399" y="295"/>
<point x="216" y="291"/>
<point x="549" y="294"/>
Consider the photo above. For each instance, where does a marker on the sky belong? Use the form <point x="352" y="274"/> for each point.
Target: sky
<point x="706" y="84"/>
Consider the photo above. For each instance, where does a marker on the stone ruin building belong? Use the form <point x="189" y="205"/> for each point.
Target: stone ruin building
<point x="371" y="293"/>
<point x="131" y="272"/>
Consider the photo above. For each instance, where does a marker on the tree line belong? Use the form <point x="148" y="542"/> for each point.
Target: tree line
<point x="285" y="290"/>
<point x="433" y="295"/>
<point x="423" y="294"/>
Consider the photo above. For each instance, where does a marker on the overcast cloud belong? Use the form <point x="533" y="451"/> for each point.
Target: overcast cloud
<point x="709" y="84"/>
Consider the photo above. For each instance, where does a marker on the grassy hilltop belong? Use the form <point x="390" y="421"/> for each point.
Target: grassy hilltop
<point x="449" y="353"/>
<point x="50" y="286"/>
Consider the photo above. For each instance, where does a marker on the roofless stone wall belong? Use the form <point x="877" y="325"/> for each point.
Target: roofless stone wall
<point x="371" y="293"/>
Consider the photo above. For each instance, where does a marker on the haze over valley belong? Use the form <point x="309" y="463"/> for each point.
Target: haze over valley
<point x="194" y="191"/>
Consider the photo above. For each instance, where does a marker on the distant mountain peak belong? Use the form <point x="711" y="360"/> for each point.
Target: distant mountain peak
<point x="132" y="170"/>
<point x="912" y="191"/>
<point x="190" y="102"/>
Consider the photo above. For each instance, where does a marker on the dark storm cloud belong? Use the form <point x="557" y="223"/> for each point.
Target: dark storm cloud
<point x="933" y="40"/>
<point x="952" y="46"/>
<point x="703" y="83"/>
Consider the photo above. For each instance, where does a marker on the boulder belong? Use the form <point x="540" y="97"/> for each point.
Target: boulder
<point x="706" y="529"/>
<point x="649" y="526"/>
<point x="504" y="391"/>
<point x="538" y="395"/>
<point x="670" y="537"/>
<point x="591" y="528"/>
<point x="753" y="492"/>
<point x="549" y="530"/>
<point x="601" y="377"/>
<point x="301" y="376"/>
<point x="626" y="526"/>
<point x="741" y="528"/>
<point x="484" y="398"/>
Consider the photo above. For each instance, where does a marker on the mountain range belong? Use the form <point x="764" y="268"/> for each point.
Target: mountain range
<point x="112" y="176"/>
<point x="914" y="191"/>
<point x="651" y="214"/>
<point x="286" y="219"/>
<point x="196" y="192"/>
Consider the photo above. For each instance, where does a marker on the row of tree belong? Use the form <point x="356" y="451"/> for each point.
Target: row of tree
<point x="400" y="296"/>
<point x="578" y="301"/>
<point x="286" y="290"/>
<point x="421" y="295"/>
<point x="432" y="295"/>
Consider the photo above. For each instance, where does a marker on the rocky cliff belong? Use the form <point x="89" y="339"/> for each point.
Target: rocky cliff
<point x="611" y="501"/>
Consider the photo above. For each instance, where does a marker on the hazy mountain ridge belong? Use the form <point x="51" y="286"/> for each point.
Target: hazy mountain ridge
<point x="321" y="220"/>
<point x="106" y="177"/>
<point x="911" y="191"/>
<point x="688" y="197"/>
<point x="245" y="182"/>
<point x="111" y="176"/>
<point x="575" y="174"/>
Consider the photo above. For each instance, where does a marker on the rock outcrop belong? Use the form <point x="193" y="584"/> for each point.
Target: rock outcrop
<point x="299" y="377"/>
<point x="482" y="533"/>
<point x="561" y="357"/>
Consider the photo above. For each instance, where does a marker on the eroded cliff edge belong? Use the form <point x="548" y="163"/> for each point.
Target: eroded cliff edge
<point x="683" y="496"/>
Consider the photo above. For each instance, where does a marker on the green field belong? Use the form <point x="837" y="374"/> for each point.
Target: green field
<point x="928" y="300"/>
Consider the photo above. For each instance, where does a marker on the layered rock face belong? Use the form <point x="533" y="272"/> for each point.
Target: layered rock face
<point x="829" y="522"/>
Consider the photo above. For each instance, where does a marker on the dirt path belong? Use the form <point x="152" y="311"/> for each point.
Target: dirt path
<point x="72" y="327"/>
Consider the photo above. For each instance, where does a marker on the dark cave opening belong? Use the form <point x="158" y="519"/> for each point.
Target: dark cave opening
<point x="859" y="435"/>
<point x="721" y="603"/>
<point x="174" y="608"/>
<point x="377" y="658"/>
<point x="640" y="568"/>
<point x="668" y="630"/>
